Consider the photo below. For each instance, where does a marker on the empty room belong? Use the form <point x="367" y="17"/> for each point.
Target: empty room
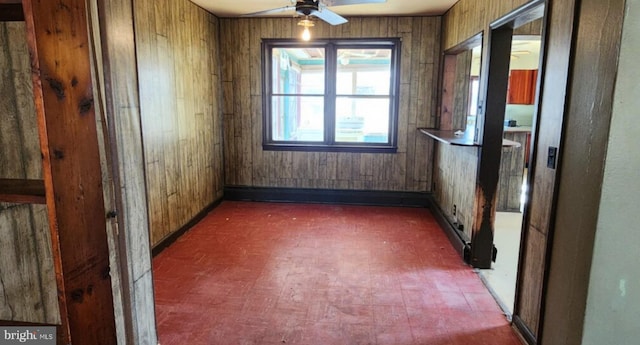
<point x="318" y="172"/>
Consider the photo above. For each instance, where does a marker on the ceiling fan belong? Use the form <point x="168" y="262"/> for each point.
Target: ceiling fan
<point x="316" y="8"/>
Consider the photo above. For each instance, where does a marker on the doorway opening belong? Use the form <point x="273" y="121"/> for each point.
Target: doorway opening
<point x="513" y="184"/>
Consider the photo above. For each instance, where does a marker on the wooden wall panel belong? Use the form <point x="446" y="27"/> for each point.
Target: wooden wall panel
<point x="531" y="28"/>
<point x="531" y="278"/>
<point x="27" y="278"/>
<point x="469" y="17"/>
<point x="180" y="101"/>
<point x="461" y="90"/>
<point x="247" y="164"/>
<point x="454" y="177"/>
<point x="19" y="142"/>
<point x="511" y="174"/>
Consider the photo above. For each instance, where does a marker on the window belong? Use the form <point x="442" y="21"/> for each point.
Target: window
<point x="331" y="95"/>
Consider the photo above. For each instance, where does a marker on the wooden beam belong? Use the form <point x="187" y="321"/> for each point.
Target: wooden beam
<point x="11" y="11"/>
<point x="22" y="191"/>
<point x="497" y="74"/>
<point x="58" y="40"/>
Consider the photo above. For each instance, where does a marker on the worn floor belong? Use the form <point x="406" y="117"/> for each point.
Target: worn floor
<point x="263" y="273"/>
<point x="501" y="278"/>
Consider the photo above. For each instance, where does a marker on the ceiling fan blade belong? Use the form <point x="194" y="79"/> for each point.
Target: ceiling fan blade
<point x="350" y="2"/>
<point x="329" y="16"/>
<point x="271" y="11"/>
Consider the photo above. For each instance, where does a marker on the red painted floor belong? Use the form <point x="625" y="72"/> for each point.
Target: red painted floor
<point x="261" y="273"/>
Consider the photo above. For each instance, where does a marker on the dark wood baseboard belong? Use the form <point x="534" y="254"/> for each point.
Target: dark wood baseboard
<point x="328" y="196"/>
<point x="167" y="241"/>
<point x="523" y="330"/>
<point x="457" y="238"/>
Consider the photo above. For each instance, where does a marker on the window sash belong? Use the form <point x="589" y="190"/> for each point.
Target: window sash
<point x="334" y="131"/>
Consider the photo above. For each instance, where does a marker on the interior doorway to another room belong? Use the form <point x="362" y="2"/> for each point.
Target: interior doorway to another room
<point x="519" y="121"/>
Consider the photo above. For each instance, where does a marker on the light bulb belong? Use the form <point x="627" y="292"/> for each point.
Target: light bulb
<point x="306" y="35"/>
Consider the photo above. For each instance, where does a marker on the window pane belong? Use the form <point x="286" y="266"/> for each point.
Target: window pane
<point x="295" y="118"/>
<point x="298" y="71"/>
<point x="364" y="72"/>
<point x="362" y="120"/>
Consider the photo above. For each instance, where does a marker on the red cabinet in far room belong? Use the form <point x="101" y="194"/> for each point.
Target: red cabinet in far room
<point x="522" y="86"/>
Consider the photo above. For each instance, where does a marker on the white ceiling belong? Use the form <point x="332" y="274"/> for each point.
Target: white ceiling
<point x="234" y="8"/>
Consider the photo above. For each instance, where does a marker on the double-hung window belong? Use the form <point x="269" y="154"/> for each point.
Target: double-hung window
<point x="331" y="95"/>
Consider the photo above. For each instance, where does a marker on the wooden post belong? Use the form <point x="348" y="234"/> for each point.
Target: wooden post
<point x="59" y="46"/>
<point x="497" y="74"/>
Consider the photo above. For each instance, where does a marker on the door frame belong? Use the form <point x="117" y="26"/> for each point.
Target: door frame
<point x="499" y="50"/>
<point x="490" y="129"/>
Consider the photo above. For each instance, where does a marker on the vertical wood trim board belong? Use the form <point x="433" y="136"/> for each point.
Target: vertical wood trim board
<point x="58" y="43"/>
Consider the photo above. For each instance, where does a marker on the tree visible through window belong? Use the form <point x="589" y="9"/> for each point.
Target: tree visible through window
<point x="331" y="95"/>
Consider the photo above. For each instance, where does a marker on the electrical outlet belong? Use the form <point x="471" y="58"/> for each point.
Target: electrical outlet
<point x="455" y="211"/>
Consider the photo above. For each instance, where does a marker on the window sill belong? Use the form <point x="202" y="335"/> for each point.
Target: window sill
<point x="330" y="148"/>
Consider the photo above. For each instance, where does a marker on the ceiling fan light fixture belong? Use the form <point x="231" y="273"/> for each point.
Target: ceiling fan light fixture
<point x="306" y="35"/>
<point x="306" y="23"/>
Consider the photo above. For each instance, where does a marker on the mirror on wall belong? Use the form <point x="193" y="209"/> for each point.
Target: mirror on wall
<point x="461" y="83"/>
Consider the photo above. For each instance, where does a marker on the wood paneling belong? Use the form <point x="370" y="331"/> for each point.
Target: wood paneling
<point x="19" y="145"/>
<point x="468" y="17"/>
<point x="454" y="178"/>
<point x="530" y="284"/>
<point x="180" y="93"/>
<point x="27" y="279"/>
<point x="511" y="173"/>
<point x="448" y="90"/>
<point x="28" y="286"/>
<point x="247" y="164"/>
<point x="533" y="28"/>
<point x="461" y="90"/>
